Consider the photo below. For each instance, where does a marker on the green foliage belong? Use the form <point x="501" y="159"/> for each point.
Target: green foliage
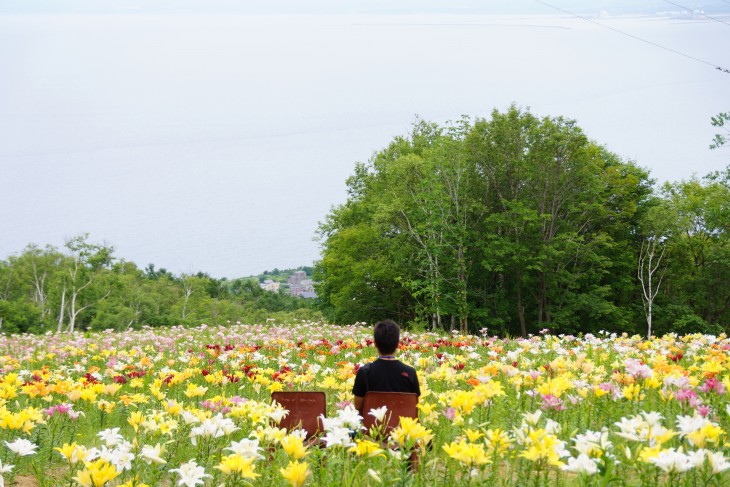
<point x="356" y="283"/>
<point x="86" y="288"/>
<point x="681" y="319"/>
<point x="698" y="245"/>
<point x="518" y="223"/>
<point x="19" y="316"/>
<point x="721" y="121"/>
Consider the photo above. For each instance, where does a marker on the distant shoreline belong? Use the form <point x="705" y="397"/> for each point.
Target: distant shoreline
<point x="399" y="18"/>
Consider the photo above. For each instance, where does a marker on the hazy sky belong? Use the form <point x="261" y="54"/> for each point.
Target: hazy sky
<point x="355" y="6"/>
<point x="217" y="142"/>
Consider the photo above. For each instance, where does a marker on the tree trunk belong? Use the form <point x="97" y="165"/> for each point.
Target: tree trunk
<point x="647" y="269"/>
<point x="648" y="320"/>
<point x="189" y="290"/>
<point x="63" y="309"/>
<point x="40" y="293"/>
<point x="463" y="306"/>
<point x="541" y="299"/>
<point x="72" y="313"/>
<point x="521" y="313"/>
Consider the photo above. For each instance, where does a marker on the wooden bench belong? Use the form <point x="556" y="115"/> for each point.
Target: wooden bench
<point x="397" y="403"/>
<point x="305" y="409"/>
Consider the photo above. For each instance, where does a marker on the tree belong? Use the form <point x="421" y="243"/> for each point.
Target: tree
<point x="157" y="300"/>
<point x="651" y="268"/>
<point x="457" y="188"/>
<point x="551" y="216"/>
<point x="426" y="201"/>
<point x="697" y="277"/>
<point x="84" y="264"/>
<point x="86" y="288"/>
<point x="365" y="258"/>
<point x="18" y="316"/>
<point x="195" y="303"/>
<point x="514" y="221"/>
<point x="354" y="280"/>
<point x="37" y="270"/>
<point x="721" y="121"/>
<point x="123" y="307"/>
<point x="6" y="282"/>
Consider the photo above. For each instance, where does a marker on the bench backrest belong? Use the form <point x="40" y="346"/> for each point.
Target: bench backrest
<point x="305" y="408"/>
<point x="398" y="404"/>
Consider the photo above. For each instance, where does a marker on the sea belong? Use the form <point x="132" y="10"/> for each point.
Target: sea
<point x="218" y="143"/>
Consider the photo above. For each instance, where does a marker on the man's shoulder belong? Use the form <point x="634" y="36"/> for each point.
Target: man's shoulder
<point x="409" y="368"/>
<point x="406" y="365"/>
<point x="363" y="369"/>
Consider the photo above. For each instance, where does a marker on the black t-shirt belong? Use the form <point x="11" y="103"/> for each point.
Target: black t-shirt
<point x="385" y="376"/>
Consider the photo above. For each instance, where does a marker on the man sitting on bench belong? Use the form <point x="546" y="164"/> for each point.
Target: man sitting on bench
<point x="386" y="374"/>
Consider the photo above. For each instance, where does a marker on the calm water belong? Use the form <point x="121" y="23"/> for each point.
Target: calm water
<point x="216" y="143"/>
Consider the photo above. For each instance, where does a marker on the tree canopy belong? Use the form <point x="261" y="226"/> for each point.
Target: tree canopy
<point x="518" y="223"/>
<point x="85" y="287"/>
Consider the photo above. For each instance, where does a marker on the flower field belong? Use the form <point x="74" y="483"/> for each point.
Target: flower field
<point x="189" y="407"/>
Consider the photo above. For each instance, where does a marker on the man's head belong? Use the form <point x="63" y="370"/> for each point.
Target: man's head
<point x="386" y="335"/>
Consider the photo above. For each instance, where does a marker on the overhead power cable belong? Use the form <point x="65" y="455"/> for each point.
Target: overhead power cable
<point x="698" y="13"/>
<point x="688" y="56"/>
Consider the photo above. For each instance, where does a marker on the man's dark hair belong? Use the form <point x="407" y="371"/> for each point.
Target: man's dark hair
<point x="386" y="335"/>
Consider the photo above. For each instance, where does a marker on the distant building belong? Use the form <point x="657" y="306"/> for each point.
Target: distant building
<point x="300" y="285"/>
<point x="271" y="286"/>
<point x="297" y="277"/>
